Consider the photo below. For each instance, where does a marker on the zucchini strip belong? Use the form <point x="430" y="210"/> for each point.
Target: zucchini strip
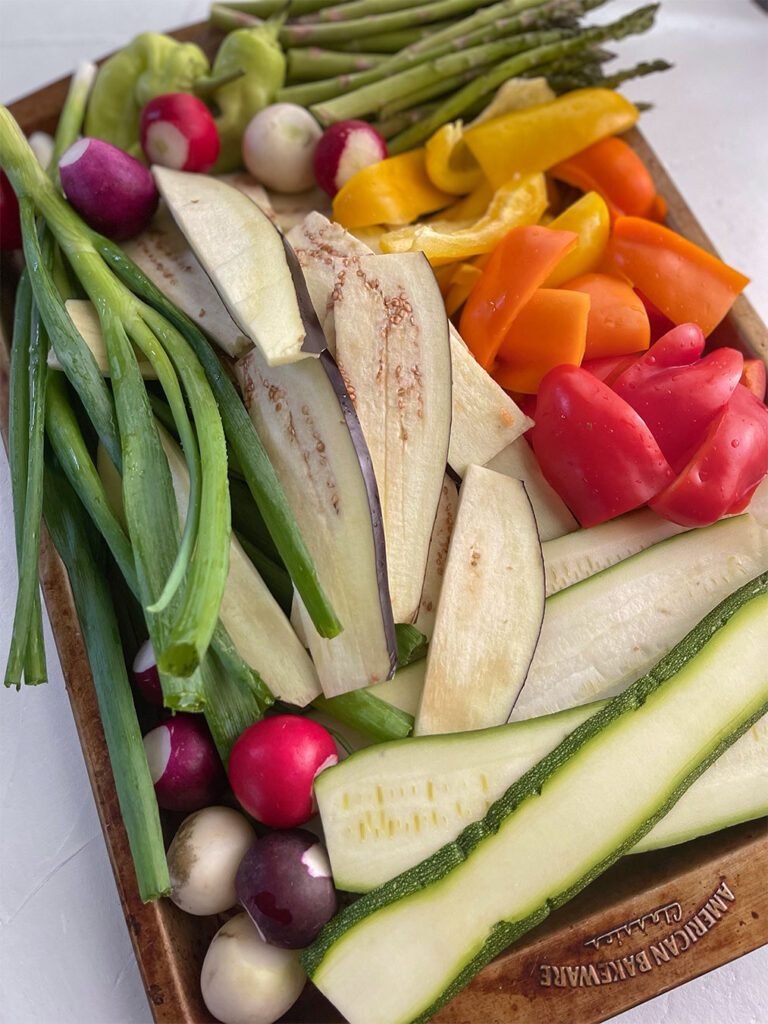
<point x="402" y="951"/>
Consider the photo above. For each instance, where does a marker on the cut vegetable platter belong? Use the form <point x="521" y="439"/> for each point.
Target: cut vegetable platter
<point x="652" y="921"/>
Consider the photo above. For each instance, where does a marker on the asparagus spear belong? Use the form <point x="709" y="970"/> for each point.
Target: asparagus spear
<point x="391" y="42"/>
<point x="371" y="98"/>
<point x="308" y="64"/>
<point x="638" y="21"/>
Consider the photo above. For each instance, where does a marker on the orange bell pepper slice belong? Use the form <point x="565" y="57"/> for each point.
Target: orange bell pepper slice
<point x="618" y="322"/>
<point x="393" y="191"/>
<point x="688" y="284"/>
<point x="550" y="329"/>
<point x="613" y="169"/>
<point x="540" y="137"/>
<point x="517" y="267"/>
<point x="753" y="377"/>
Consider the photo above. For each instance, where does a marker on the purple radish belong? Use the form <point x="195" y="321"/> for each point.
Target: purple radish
<point x="184" y="764"/>
<point x="346" y="148"/>
<point x="146" y="676"/>
<point x="284" y="882"/>
<point x="112" y="192"/>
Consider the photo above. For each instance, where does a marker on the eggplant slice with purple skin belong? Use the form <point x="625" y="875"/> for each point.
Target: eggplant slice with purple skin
<point x="308" y="425"/>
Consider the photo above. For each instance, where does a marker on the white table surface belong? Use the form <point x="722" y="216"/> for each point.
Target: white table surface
<point x="65" y="956"/>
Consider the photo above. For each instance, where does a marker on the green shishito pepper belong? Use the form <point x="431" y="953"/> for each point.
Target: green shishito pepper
<point x="250" y="66"/>
<point x="151" y="65"/>
<point x="257" y="53"/>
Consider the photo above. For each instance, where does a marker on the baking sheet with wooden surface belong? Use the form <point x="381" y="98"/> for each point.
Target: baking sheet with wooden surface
<point x="570" y="968"/>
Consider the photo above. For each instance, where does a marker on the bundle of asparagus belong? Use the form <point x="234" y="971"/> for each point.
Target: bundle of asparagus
<point x="410" y="66"/>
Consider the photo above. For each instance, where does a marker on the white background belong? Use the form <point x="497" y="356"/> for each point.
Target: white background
<point x="65" y="956"/>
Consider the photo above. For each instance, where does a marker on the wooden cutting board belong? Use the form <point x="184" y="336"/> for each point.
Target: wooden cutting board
<point x="650" y="923"/>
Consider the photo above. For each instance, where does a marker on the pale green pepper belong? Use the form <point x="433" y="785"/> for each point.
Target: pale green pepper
<point x="257" y="53"/>
<point x="151" y="65"/>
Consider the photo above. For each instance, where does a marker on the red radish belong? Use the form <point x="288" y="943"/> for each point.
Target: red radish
<point x="346" y="148"/>
<point x="184" y="764"/>
<point x="284" y="882"/>
<point x="113" y="193"/>
<point x="146" y="676"/>
<point x="273" y="765"/>
<point x="279" y="147"/>
<point x="178" y="130"/>
<point x="10" y="224"/>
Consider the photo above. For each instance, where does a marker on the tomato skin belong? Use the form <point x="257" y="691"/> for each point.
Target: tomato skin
<point x="593" y="448"/>
<point x="678" y="403"/>
<point x="727" y="468"/>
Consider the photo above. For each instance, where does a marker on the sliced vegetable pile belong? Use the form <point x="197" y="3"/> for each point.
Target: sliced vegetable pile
<point x="464" y="468"/>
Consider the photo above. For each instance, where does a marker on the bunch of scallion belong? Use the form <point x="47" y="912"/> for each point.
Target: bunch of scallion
<point x="169" y="581"/>
<point x="409" y="66"/>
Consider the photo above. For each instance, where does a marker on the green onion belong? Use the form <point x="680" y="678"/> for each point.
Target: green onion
<point x="368" y="714"/>
<point x="135" y="791"/>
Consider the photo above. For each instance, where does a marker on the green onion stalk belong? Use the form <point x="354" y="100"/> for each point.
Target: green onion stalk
<point x="135" y="790"/>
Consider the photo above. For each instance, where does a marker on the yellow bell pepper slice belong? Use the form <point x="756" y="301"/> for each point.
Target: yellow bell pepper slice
<point x="540" y="137"/>
<point x="590" y="219"/>
<point x="516" y="94"/>
<point x="393" y="191"/>
<point x="516" y="203"/>
<point x="464" y="279"/>
<point x="450" y="165"/>
<point x="471" y="207"/>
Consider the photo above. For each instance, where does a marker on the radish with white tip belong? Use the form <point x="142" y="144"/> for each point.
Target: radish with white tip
<point x="284" y="882"/>
<point x="244" y="980"/>
<point x="203" y="859"/>
<point x="178" y="130"/>
<point x="184" y="765"/>
<point x="113" y="193"/>
<point x="146" y="676"/>
<point x="279" y="147"/>
<point x="346" y="148"/>
<point x="273" y="766"/>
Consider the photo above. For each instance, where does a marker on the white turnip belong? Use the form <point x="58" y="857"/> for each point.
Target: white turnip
<point x="346" y="148"/>
<point x="184" y="764"/>
<point x="273" y="765"/>
<point x="203" y="859"/>
<point x="113" y="193"/>
<point x="178" y="130"/>
<point x="244" y="980"/>
<point x="279" y="147"/>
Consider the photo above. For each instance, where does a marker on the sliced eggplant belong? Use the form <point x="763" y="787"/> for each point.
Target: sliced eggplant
<point x="393" y="351"/>
<point x="484" y="419"/>
<point x="303" y="415"/>
<point x="490" y="609"/>
<point x="552" y="516"/>
<point x="242" y="252"/>
<point x="438" y="553"/>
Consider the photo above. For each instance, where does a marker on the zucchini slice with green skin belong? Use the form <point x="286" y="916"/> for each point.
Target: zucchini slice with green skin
<point x="402" y="951"/>
<point x="437" y="784"/>
<point x="599" y="635"/>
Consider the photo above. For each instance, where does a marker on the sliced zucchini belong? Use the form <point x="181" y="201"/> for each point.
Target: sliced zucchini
<point x="490" y="609"/>
<point x="552" y="516"/>
<point x="242" y="252"/>
<point x="393" y="351"/>
<point x="301" y="418"/>
<point x="599" y="635"/>
<point x="572" y="558"/>
<point x="435" y="785"/>
<point x="401" y="951"/>
<point x="438" y="553"/>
